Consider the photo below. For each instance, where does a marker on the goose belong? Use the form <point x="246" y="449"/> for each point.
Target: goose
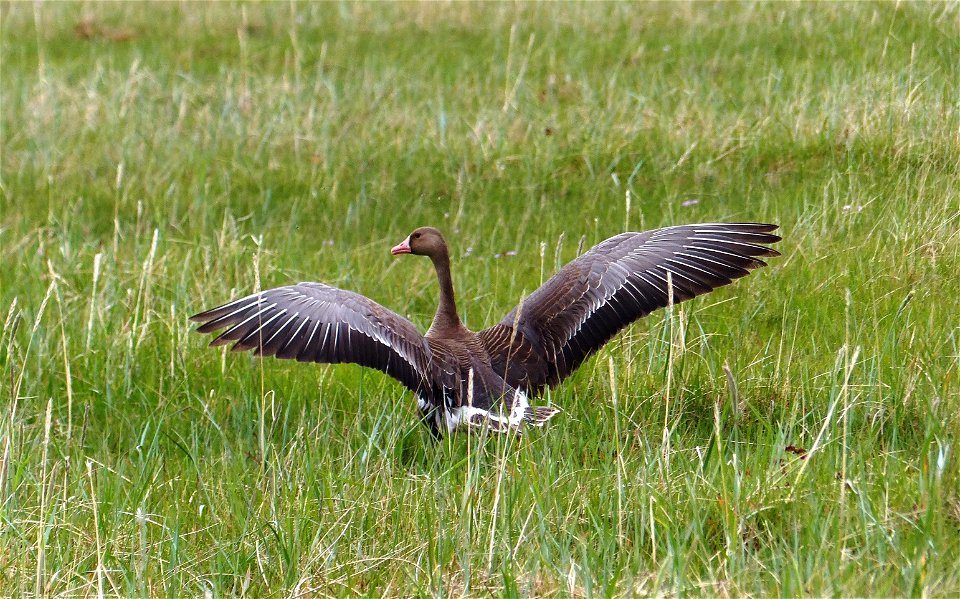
<point x="464" y="379"/>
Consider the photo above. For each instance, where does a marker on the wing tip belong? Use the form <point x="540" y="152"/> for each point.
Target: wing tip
<point x="207" y="327"/>
<point x="218" y="342"/>
<point x="759" y="227"/>
<point x="200" y="316"/>
<point x="765" y="227"/>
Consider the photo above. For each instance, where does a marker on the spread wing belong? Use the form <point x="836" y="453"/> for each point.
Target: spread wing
<point x="624" y="278"/>
<point x="313" y="322"/>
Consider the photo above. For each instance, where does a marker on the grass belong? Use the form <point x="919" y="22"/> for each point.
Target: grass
<point x="793" y="434"/>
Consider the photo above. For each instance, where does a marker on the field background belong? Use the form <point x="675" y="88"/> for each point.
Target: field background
<point x="161" y="158"/>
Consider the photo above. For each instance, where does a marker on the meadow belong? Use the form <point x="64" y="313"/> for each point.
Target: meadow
<point x="793" y="434"/>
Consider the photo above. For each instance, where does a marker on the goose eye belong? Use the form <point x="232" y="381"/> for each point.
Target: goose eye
<point x="416" y="236"/>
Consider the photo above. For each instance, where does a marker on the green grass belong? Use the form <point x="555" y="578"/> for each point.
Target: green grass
<point x="158" y="159"/>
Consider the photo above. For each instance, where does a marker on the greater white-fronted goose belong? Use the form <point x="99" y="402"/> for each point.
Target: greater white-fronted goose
<point x="466" y="379"/>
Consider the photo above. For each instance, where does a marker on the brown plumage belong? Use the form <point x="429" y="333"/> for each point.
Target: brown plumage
<point x="462" y="378"/>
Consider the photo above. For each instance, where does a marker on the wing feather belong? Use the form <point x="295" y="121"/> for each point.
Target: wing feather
<point x="313" y="322"/>
<point x="621" y="279"/>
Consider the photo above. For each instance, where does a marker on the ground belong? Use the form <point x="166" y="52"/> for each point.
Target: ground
<point x="792" y="434"/>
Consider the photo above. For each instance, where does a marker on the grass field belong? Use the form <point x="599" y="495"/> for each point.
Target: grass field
<point x="159" y="159"/>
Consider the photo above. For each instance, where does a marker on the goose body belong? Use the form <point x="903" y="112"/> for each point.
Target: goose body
<point x="484" y="379"/>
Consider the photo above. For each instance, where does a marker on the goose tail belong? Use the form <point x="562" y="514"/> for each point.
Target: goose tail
<point x="539" y="415"/>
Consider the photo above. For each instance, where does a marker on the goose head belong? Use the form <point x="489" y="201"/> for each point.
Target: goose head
<point x="425" y="241"/>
